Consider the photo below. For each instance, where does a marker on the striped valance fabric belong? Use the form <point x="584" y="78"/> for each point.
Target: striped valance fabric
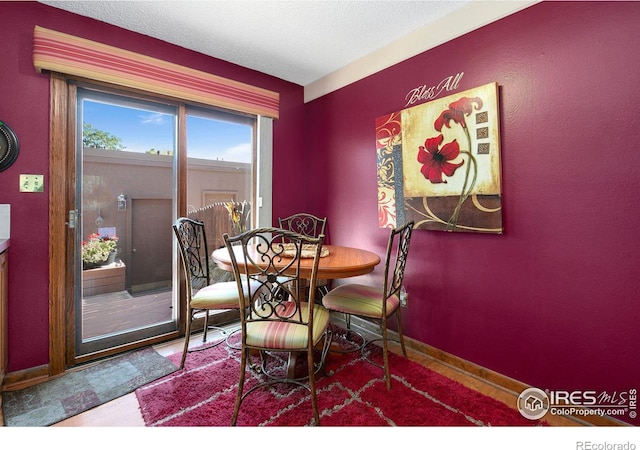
<point x="72" y="55"/>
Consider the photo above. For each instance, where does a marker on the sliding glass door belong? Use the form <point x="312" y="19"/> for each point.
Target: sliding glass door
<point x="141" y="163"/>
<point x="126" y="156"/>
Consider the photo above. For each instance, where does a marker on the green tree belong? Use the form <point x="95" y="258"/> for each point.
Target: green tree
<point x="94" y="138"/>
<point x="153" y="151"/>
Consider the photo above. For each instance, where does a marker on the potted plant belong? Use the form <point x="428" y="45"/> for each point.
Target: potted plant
<point x="98" y="250"/>
<point x="238" y="215"/>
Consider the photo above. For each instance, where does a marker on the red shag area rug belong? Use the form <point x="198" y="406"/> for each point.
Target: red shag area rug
<point x="351" y="393"/>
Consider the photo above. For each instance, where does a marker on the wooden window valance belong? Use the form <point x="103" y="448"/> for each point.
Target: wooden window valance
<point x="64" y="53"/>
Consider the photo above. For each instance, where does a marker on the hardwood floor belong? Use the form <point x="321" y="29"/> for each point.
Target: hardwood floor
<point x="124" y="412"/>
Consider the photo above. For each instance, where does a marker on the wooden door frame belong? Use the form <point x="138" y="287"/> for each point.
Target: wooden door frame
<point x="58" y="220"/>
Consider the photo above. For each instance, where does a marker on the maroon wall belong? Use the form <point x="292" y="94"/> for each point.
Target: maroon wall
<point x="25" y="107"/>
<point x="552" y="302"/>
<point x="555" y="300"/>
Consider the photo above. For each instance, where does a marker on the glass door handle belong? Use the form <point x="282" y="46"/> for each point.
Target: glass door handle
<point x="73" y="218"/>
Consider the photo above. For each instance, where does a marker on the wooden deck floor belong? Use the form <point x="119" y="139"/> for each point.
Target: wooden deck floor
<point x="105" y="314"/>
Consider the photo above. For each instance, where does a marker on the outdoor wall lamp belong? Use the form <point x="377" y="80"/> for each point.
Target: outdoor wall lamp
<point x="122" y="202"/>
<point x="99" y="219"/>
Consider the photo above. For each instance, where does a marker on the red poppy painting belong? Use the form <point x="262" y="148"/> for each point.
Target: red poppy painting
<point x="439" y="164"/>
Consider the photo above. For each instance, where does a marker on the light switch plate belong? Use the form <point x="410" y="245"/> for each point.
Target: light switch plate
<point x="5" y="221"/>
<point x="31" y="183"/>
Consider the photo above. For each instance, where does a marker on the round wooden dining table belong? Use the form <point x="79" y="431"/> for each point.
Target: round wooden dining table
<point x="341" y="262"/>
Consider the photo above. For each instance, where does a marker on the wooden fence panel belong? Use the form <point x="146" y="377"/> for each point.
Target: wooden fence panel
<point x="216" y="222"/>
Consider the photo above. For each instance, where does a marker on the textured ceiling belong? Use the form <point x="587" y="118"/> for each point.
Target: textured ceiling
<point x="298" y="41"/>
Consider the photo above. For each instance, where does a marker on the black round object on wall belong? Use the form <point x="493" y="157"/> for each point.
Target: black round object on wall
<point x="9" y="146"/>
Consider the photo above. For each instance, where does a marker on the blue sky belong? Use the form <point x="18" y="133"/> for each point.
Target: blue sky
<point x="142" y="130"/>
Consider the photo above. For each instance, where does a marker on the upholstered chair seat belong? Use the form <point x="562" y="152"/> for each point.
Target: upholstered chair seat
<point x="288" y="335"/>
<point x="217" y="296"/>
<point x="360" y="300"/>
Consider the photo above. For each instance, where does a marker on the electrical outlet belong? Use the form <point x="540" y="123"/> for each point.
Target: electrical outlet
<point x="404" y="297"/>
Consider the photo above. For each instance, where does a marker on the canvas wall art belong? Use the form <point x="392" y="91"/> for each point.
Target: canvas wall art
<point x="438" y="164"/>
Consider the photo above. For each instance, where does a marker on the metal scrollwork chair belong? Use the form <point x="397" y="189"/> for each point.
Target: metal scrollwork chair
<point x="266" y="262"/>
<point x="304" y="223"/>
<point x="307" y="225"/>
<point x="202" y="296"/>
<point x="378" y="303"/>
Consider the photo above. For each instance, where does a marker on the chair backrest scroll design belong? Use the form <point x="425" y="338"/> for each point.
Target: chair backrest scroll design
<point x="305" y="224"/>
<point x="401" y="237"/>
<point x="194" y="251"/>
<point x="270" y="283"/>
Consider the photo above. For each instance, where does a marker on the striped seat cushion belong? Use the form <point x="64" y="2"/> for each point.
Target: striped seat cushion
<point x="359" y="300"/>
<point x="217" y="296"/>
<point x="279" y="335"/>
